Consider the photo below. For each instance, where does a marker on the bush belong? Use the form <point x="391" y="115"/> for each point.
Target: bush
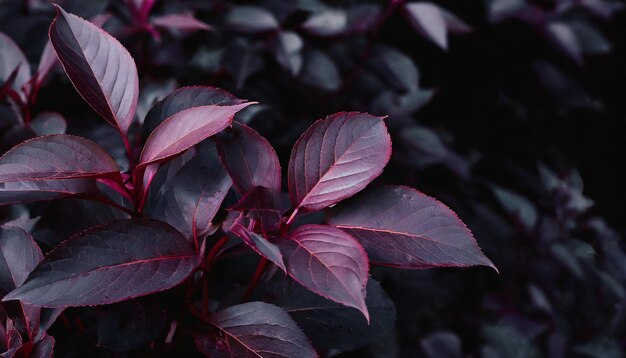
<point x="160" y="224"/>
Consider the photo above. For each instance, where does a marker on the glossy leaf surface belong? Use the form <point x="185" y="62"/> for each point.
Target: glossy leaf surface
<point x="100" y="68"/>
<point x="249" y="159"/>
<point x="185" y="129"/>
<point x="188" y="196"/>
<point x="337" y="157"/>
<point x="185" y="98"/>
<point x="401" y="227"/>
<point x="13" y="60"/>
<point x="111" y="263"/>
<point x="328" y="262"/>
<point x="255" y="329"/>
<point x="55" y="157"/>
<point x="19" y="255"/>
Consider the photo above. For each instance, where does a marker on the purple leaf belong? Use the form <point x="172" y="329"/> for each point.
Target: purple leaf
<point x="249" y="159"/>
<point x="251" y="19"/>
<point x="328" y="262"/>
<point x="428" y="19"/>
<point x="185" y="98"/>
<point x="287" y="48"/>
<point x="337" y="157"/>
<point x="401" y="227"/>
<point x="16" y="192"/>
<point x="185" y="129"/>
<point x="100" y="68"/>
<point x="110" y="263"/>
<point x="58" y="156"/>
<point x="254" y="329"/>
<point x="329" y="22"/>
<point x="13" y="58"/>
<point x="331" y="325"/>
<point x="180" y="22"/>
<point x="189" y="196"/>
<point x="258" y="243"/>
<point x="49" y="58"/>
<point x="47" y="123"/>
<point x="19" y="255"/>
<point x="320" y="71"/>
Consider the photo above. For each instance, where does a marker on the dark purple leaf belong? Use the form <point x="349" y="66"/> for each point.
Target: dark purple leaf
<point x="251" y="19"/>
<point x="46" y="123"/>
<point x="337" y="157"/>
<point x="180" y="22"/>
<point x="249" y="159"/>
<point x="254" y="329"/>
<point x="331" y="325"/>
<point x="401" y="227"/>
<point x="130" y="325"/>
<point x="287" y="49"/>
<point x="185" y="98"/>
<point x="13" y="59"/>
<point x="17" y="192"/>
<point x="185" y="129"/>
<point x="320" y="71"/>
<point x="328" y="22"/>
<point x="110" y="263"/>
<point x="395" y="68"/>
<point x="258" y="243"/>
<point x="19" y="255"/>
<point x="100" y="68"/>
<point x="69" y="216"/>
<point x="328" y="262"/>
<point x="189" y="196"/>
<point x="428" y="19"/>
<point x="58" y="156"/>
<point x="243" y="59"/>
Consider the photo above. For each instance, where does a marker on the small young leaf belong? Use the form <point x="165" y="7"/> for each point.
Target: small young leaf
<point x="249" y="159"/>
<point x="13" y="59"/>
<point x="188" y="197"/>
<point x="100" y="68"/>
<point x="337" y="157"/>
<point x="110" y="263"/>
<point x="328" y="262"/>
<point x="47" y="123"/>
<point x="264" y="205"/>
<point x="251" y="19"/>
<point x="55" y="157"/>
<point x="185" y="129"/>
<point x="401" y="227"/>
<point x="258" y="243"/>
<point x="180" y="22"/>
<point x="254" y="329"/>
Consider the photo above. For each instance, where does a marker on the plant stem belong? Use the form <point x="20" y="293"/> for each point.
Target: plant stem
<point x="255" y="279"/>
